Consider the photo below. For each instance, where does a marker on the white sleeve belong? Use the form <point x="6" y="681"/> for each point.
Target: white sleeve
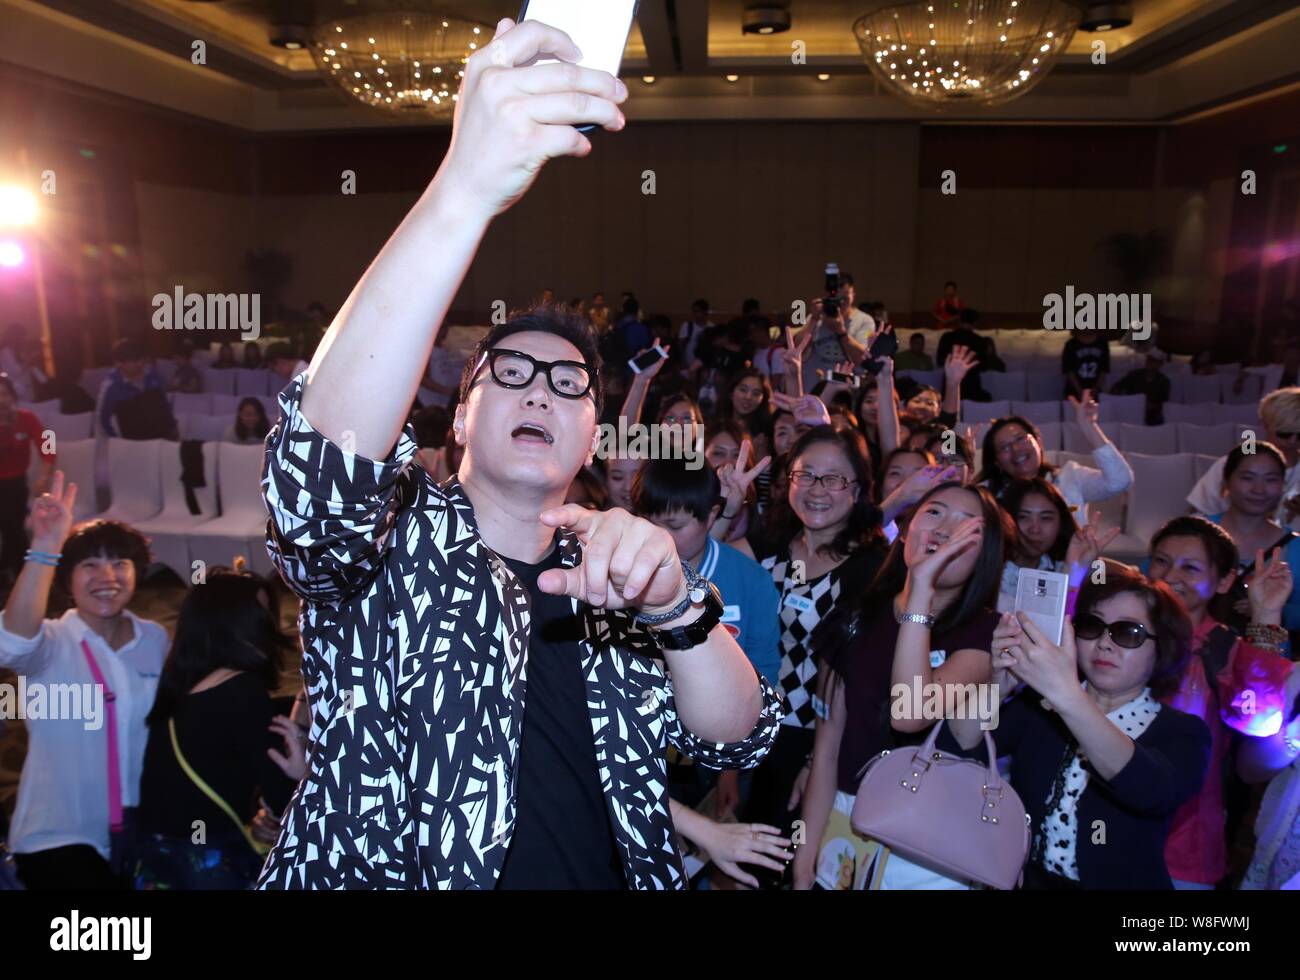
<point x="1085" y="484"/>
<point x="23" y="654"/>
<point x="1205" y="497"/>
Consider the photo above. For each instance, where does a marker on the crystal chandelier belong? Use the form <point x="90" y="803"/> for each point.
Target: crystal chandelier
<point x="400" y="63"/>
<point x="940" y="53"/>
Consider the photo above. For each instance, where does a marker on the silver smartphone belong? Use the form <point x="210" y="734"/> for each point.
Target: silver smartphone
<point x="599" y="28"/>
<point x="1042" y="596"/>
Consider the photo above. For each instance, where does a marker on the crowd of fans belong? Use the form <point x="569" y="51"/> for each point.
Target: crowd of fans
<point x="829" y="492"/>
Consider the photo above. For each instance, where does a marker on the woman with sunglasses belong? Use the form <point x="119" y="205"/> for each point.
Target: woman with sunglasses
<point x="828" y="546"/>
<point x="1013" y="450"/>
<point x="1252" y="488"/>
<point x="1101" y="766"/>
<point x="925" y="620"/>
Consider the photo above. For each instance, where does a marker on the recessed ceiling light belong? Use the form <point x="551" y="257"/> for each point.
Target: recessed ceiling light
<point x="766" y="18"/>
<point x="823" y="77"/>
<point x="733" y="78"/>
<point x="648" y="79"/>
<point x="1106" y="16"/>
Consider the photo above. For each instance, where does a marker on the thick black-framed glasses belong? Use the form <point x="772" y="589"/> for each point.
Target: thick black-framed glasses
<point x="515" y="369"/>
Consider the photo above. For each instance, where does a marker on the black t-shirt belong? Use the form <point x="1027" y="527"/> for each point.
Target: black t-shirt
<point x="1087" y="360"/>
<point x="224" y="734"/>
<point x="563" y="838"/>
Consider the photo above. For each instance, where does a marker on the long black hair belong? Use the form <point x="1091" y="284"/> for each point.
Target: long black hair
<point x="834" y="636"/>
<point x="261" y="427"/>
<point x="1014" y="497"/>
<point x="223" y="623"/>
<point x="864" y="523"/>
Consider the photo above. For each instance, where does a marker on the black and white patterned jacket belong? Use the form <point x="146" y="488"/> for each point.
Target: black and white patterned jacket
<point x="415" y="661"/>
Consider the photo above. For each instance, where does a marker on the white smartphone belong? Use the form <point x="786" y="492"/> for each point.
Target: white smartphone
<point x="599" y="28"/>
<point x="1042" y="596"/>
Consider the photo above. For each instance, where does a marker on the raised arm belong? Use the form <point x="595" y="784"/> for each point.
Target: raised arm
<point x="636" y="391"/>
<point x="51" y="520"/>
<point x="887" y="407"/>
<point x="509" y="122"/>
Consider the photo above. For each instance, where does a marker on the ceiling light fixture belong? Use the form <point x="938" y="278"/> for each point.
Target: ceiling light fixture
<point x="1106" y="16"/>
<point x="766" y="18"/>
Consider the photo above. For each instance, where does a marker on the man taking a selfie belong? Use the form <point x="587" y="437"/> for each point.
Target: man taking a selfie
<point x="494" y="676"/>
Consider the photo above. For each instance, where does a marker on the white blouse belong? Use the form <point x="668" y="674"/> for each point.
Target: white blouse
<point x="63" y="792"/>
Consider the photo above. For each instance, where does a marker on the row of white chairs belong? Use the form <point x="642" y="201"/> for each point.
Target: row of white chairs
<point x="1112" y="409"/>
<point x="1159" y="492"/>
<point x="1150" y="440"/>
<point x="139" y="482"/>
<point x="217" y="411"/>
<point x="1046" y="383"/>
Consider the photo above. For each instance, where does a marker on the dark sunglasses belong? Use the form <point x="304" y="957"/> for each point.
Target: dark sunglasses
<point x="515" y="369"/>
<point x="1289" y="436"/>
<point x="1124" y="632"/>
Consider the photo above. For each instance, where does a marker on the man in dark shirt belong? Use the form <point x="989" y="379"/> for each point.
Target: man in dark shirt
<point x="1149" y="380"/>
<point x="972" y="389"/>
<point x="1085" y="362"/>
<point x="562" y="834"/>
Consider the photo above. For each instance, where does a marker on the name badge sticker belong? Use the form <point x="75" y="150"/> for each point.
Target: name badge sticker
<point x="799" y="602"/>
<point x="731" y="614"/>
<point x="937" y="657"/>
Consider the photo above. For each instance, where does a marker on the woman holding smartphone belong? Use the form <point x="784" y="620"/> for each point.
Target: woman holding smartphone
<point x="1101" y="767"/>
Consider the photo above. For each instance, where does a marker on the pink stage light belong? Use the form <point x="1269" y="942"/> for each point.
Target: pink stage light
<point x="11" y="255"/>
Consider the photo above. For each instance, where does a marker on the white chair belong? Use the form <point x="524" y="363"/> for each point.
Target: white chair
<point x="984" y="411"/>
<point x="1238" y="414"/>
<point x="77" y="460"/>
<point x="1151" y="440"/>
<point x="190" y="404"/>
<point x="241" y="528"/>
<point x="226" y="404"/>
<point x="1123" y="408"/>
<point x="1177" y="413"/>
<point x="70" y="427"/>
<point x="1195" y="389"/>
<point x="1037" y="412"/>
<point x="41" y="409"/>
<point x="169" y="531"/>
<point x="1211" y="439"/>
<point x="1159" y="491"/>
<point x="205" y="428"/>
<point x="1051" y="435"/>
<point x="1045" y="383"/>
<point x="1073" y="441"/>
<point x="1004" y="385"/>
<point x="1252" y="389"/>
<point x="251" y="381"/>
<point x="135" y="478"/>
<point x="932" y="378"/>
<point x="1201" y="464"/>
<point x="218" y="382"/>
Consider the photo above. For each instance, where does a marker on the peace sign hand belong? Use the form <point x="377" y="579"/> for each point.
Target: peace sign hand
<point x="1268" y="588"/>
<point x="796" y="345"/>
<point x="806" y="409"/>
<point x="736" y="478"/>
<point x="52" y="516"/>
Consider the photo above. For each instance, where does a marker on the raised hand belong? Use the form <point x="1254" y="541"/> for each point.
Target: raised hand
<point x="1008" y="639"/>
<point x="1268" y="588"/>
<point x="1086" y="410"/>
<point x="626" y="561"/>
<point x="795" y="346"/>
<point x="806" y="409"/>
<point x="648" y="375"/>
<point x="960" y="362"/>
<point x="1088" y="543"/>
<point x="1050" y="670"/>
<point x="967" y="535"/>
<point x="512" y="116"/>
<point x="736" y="478"/>
<point x="918" y="484"/>
<point x="51" y="518"/>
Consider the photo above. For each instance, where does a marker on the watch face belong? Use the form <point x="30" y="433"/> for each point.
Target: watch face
<point x="697" y="592"/>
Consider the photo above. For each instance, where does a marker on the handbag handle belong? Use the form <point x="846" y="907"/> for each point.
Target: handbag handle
<point x="927" y="751"/>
